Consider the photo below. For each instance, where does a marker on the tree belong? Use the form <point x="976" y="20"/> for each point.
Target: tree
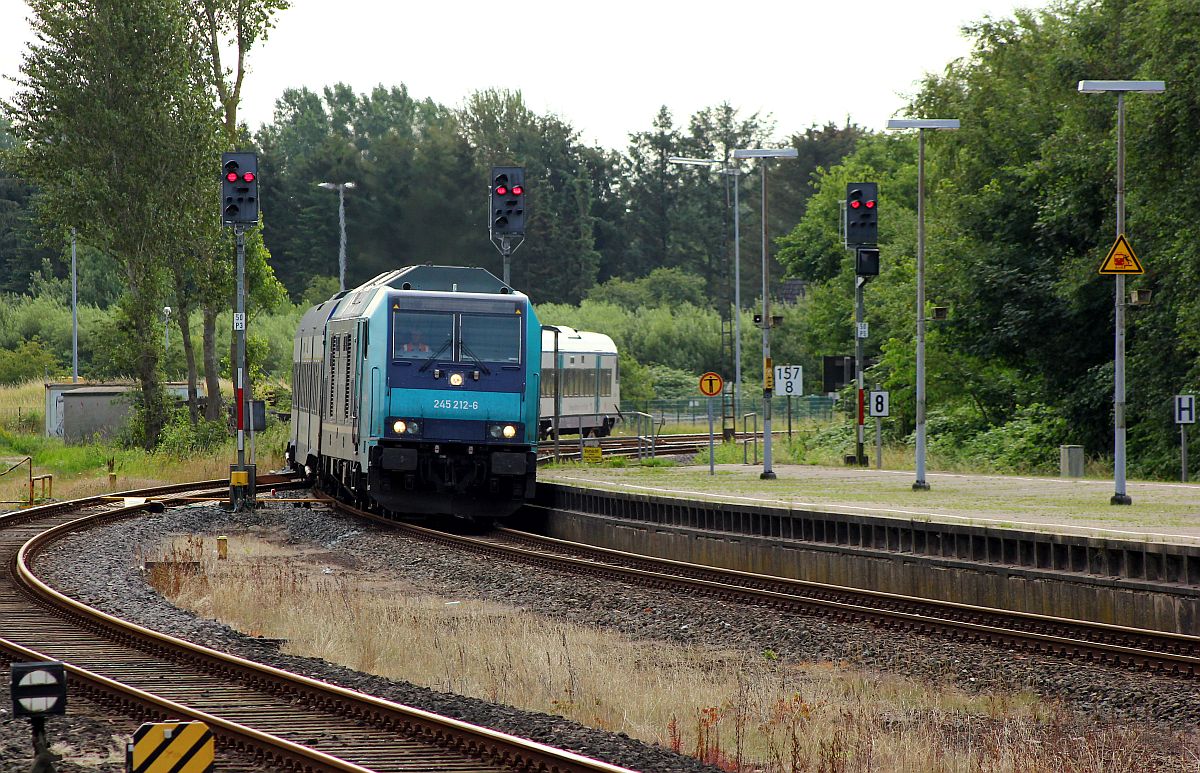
<point x="123" y="154"/>
<point x="207" y="273"/>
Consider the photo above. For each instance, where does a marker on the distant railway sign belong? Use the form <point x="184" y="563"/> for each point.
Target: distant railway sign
<point x="789" y="380"/>
<point x="711" y="384"/>
<point x="1121" y="259"/>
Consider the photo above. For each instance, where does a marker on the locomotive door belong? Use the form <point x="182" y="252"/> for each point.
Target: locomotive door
<point x="356" y="364"/>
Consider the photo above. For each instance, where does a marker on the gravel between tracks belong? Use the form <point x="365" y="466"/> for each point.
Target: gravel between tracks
<point x="99" y="568"/>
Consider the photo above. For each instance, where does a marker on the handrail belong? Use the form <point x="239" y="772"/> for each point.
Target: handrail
<point x="752" y="439"/>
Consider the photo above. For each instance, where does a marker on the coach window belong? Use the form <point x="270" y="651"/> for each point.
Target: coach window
<point x="419" y="335"/>
<point x="490" y="338"/>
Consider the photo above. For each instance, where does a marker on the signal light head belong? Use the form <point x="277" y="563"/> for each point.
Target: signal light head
<point x="855" y="204"/>
<point x="871" y="204"/>
<point x="501" y="190"/>
<point x="232" y="177"/>
<point x="517" y="190"/>
<point x="248" y="177"/>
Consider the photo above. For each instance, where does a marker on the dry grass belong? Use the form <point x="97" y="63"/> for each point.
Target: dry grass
<point x="743" y="712"/>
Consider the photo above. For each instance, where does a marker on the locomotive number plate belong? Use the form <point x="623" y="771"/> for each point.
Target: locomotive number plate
<point x="457" y="405"/>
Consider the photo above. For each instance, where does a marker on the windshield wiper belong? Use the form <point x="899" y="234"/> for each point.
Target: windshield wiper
<point x="467" y="351"/>
<point x="436" y="354"/>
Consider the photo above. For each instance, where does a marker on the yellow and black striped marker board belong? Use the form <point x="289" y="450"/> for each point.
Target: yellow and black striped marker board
<point x="171" y="747"/>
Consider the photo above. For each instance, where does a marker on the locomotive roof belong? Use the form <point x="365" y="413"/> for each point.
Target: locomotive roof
<point x="462" y="279"/>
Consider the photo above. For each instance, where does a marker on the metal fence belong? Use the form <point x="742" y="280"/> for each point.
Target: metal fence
<point x="695" y="410"/>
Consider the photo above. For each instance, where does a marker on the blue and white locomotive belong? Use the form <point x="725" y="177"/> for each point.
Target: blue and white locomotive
<point x="417" y="393"/>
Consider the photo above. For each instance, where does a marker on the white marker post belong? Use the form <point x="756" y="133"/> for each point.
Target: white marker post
<point x="878" y="406"/>
<point x="1185" y="414"/>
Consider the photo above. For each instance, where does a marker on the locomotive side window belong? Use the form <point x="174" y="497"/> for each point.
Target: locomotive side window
<point x="422" y="335"/>
<point x="491" y="338"/>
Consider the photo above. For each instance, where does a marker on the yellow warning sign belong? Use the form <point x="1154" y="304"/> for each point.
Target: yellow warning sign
<point x="711" y="384"/>
<point x="171" y="747"/>
<point x="1121" y="259"/>
<point x="593" y="454"/>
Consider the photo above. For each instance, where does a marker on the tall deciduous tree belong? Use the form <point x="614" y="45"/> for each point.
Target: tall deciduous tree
<point x="217" y="27"/>
<point x="118" y="133"/>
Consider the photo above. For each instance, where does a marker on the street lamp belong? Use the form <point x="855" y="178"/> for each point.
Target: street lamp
<point x="921" y="124"/>
<point x="341" y="189"/>
<point x="737" y="271"/>
<point x="166" y="329"/>
<point x="1119" y="497"/>
<point x="768" y="374"/>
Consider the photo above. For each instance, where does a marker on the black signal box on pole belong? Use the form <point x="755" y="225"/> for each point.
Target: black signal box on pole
<point x="862" y="214"/>
<point x="239" y="189"/>
<point x="508" y="201"/>
<point x="866" y="261"/>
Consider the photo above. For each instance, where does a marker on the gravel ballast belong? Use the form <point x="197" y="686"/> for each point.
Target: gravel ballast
<point x="100" y="568"/>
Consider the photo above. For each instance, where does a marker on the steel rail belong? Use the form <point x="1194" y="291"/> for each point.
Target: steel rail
<point x="494" y="749"/>
<point x="1177" y="654"/>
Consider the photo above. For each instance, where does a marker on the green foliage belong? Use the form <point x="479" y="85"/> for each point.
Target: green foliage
<point x="661" y="287"/>
<point x="1027" y="443"/>
<point x="182" y="439"/>
<point x="28" y="361"/>
<point x="637" y="383"/>
<point x="318" y="290"/>
<point x="672" y="383"/>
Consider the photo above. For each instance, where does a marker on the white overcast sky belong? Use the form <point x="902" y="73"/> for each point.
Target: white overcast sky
<point x="606" y="67"/>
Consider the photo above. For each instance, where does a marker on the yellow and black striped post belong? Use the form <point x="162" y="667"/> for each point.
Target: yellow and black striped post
<point x="171" y="747"/>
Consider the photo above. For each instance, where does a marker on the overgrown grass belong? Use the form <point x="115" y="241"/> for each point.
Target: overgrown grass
<point x="82" y="469"/>
<point x="737" y="710"/>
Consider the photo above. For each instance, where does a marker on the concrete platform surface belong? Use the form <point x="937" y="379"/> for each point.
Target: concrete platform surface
<point x="1161" y="512"/>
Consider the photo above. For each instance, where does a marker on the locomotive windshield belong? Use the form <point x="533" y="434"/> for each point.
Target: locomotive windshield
<point x="421" y="335"/>
<point x="458" y="336"/>
<point x="491" y="338"/>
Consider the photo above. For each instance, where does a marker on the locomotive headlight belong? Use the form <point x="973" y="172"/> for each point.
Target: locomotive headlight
<point x="503" y="431"/>
<point x="456" y="379"/>
<point x="410" y="427"/>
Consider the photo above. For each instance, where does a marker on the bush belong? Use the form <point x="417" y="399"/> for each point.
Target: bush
<point x="30" y="360"/>
<point x="1027" y="443"/>
<point x="181" y="438"/>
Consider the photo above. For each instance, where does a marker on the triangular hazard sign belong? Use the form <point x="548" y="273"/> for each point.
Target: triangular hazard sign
<point x="1121" y="259"/>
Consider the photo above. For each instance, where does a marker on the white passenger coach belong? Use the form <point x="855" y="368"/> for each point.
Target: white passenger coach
<point x="588" y="379"/>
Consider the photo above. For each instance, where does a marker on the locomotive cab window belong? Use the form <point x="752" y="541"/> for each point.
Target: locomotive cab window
<point x="490" y="338"/>
<point x="422" y="335"/>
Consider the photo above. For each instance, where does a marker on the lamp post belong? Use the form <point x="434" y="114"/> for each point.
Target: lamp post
<point x="1120" y="497"/>
<point x="341" y="189"/>
<point x="737" y="271"/>
<point x="768" y="375"/>
<point x="74" y="314"/>
<point x="921" y="124"/>
<point x="166" y="329"/>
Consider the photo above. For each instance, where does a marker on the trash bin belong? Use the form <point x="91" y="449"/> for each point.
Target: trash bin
<point x="1070" y="461"/>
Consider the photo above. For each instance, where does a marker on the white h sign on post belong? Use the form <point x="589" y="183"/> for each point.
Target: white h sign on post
<point x="1185" y="409"/>
<point x="1185" y="414"/>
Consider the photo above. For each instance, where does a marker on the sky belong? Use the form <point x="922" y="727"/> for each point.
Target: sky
<point x="607" y="67"/>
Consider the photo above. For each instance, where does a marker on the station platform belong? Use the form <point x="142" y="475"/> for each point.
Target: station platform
<point x="1161" y="511"/>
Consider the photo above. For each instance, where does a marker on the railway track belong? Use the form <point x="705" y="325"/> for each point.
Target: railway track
<point x="1166" y="653"/>
<point x="261" y="716"/>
